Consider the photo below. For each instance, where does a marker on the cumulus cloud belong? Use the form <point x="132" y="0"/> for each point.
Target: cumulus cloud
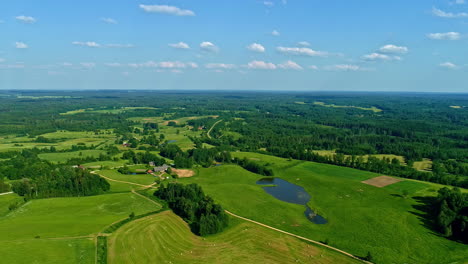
<point x="180" y="45"/>
<point x="301" y="51"/>
<point x="448" y="65"/>
<point x="275" y="33"/>
<point x="377" y="56"/>
<point x="439" y="13"/>
<point x="268" y="3"/>
<point x="165" y="9"/>
<point x="393" y="49"/>
<point x="90" y="44"/>
<point x="208" y="46"/>
<point x="313" y="67"/>
<point x="445" y="36"/>
<point x="261" y="65"/>
<point x="26" y="19"/>
<point x="290" y="65"/>
<point x="21" y="45"/>
<point x="343" y="67"/>
<point x="220" y="66"/>
<point x="256" y="47"/>
<point x="303" y="43"/>
<point x="109" y="20"/>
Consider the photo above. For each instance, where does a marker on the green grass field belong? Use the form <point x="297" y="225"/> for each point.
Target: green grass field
<point x="61" y="230"/>
<point x="145" y="179"/>
<point x="373" y="108"/>
<point x="361" y="218"/>
<point x="166" y="238"/>
<point x="64" y="156"/>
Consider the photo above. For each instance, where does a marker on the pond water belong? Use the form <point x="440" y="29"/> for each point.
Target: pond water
<point x="171" y="141"/>
<point x="291" y="193"/>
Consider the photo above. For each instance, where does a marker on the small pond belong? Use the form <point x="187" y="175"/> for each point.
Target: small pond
<point x="291" y="193"/>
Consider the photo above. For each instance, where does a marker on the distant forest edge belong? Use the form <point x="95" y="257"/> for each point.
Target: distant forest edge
<point x="172" y="126"/>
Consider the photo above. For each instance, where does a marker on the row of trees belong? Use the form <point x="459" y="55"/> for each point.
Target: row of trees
<point x="451" y="216"/>
<point x="254" y="167"/>
<point x="204" y="216"/>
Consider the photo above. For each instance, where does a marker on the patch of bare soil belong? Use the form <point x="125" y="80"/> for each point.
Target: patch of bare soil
<point x="183" y="173"/>
<point x="381" y="181"/>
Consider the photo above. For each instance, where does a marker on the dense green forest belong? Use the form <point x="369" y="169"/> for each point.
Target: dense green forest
<point x="415" y="126"/>
<point x="204" y="216"/>
<point x="451" y="214"/>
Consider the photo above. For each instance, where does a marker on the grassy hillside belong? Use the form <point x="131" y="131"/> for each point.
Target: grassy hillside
<point x="361" y="218"/>
<point x="61" y="230"/>
<point x="165" y="238"/>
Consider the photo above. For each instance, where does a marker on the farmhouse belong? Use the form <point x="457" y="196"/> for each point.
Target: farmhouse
<point x="162" y="168"/>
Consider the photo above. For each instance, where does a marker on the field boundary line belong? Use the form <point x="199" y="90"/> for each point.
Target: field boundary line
<point x="132" y="183"/>
<point x="297" y="236"/>
<point x="209" y="131"/>
<point x="142" y="196"/>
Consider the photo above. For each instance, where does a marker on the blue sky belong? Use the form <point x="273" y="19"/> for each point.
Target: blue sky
<point x="345" y="45"/>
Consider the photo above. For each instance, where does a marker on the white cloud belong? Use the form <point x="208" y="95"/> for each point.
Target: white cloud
<point x="445" y="36"/>
<point x="119" y="45"/>
<point x="301" y="51"/>
<point x="313" y="67"/>
<point x="18" y="65"/>
<point x="448" y="65"/>
<point x="164" y="65"/>
<point x="88" y="65"/>
<point x="208" y="46"/>
<point x="275" y="33"/>
<point x="165" y="9"/>
<point x="90" y="44"/>
<point x="21" y="45"/>
<point x="26" y="19"/>
<point x="343" y="67"/>
<point x="177" y="65"/>
<point x="458" y="2"/>
<point x="180" y="45"/>
<point x="393" y="49"/>
<point x="440" y="13"/>
<point x="304" y="44"/>
<point x="66" y="64"/>
<point x="113" y="64"/>
<point x="219" y="66"/>
<point x="256" y="47"/>
<point x="268" y="3"/>
<point x="290" y="65"/>
<point x="377" y="56"/>
<point x="109" y="20"/>
<point x="261" y="65"/>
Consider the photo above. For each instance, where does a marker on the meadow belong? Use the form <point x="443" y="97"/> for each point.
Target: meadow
<point x="62" y="230"/>
<point x="166" y="238"/>
<point x="361" y="218"/>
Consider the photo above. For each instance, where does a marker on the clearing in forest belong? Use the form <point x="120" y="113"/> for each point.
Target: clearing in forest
<point x="381" y="181"/>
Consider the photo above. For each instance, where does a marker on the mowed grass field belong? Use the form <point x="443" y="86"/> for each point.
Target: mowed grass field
<point x="144" y="179"/>
<point x="361" y="218"/>
<point x="64" y="140"/>
<point x="61" y="157"/>
<point x="62" y="230"/>
<point x="166" y="238"/>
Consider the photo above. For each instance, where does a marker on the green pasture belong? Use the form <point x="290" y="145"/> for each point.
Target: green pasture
<point x="166" y="238"/>
<point x="361" y="217"/>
